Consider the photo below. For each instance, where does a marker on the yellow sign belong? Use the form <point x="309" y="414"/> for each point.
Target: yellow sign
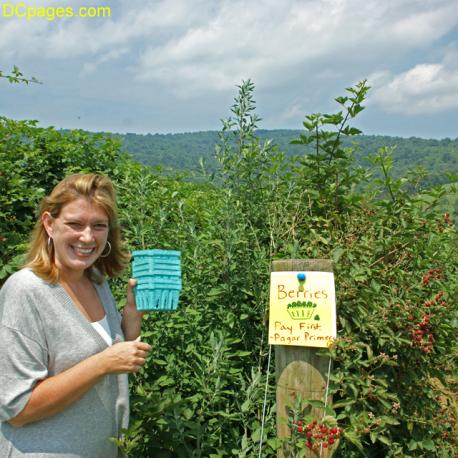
<point x="302" y="309"/>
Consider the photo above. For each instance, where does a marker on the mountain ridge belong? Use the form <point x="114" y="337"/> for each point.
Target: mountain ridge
<point x="183" y="151"/>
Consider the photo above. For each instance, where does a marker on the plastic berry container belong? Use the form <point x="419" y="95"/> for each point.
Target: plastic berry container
<point x="158" y="275"/>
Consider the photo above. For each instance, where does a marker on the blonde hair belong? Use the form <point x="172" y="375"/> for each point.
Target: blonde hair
<point x="100" y="191"/>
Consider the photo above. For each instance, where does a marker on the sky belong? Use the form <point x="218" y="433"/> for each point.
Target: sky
<point x="174" y="65"/>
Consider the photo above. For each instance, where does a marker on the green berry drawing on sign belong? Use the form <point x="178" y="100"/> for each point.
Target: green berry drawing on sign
<point x="301" y="310"/>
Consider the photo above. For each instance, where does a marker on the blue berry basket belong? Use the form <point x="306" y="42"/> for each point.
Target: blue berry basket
<point x="158" y="275"/>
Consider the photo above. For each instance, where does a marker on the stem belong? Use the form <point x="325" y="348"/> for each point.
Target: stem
<point x="387" y="181"/>
<point x="339" y="132"/>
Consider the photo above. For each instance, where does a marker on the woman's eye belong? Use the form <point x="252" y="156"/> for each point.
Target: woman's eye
<point x="80" y="226"/>
<point x="74" y="225"/>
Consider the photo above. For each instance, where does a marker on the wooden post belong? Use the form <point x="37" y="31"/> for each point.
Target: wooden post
<point x="300" y="372"/>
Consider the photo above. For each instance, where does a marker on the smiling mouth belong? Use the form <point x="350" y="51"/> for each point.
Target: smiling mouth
<point x="83" y="251"/>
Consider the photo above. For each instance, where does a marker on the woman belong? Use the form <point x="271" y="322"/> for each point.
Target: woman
<point x="65" y="351"/>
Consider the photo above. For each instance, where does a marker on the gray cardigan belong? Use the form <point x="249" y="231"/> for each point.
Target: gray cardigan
<point x="43" y="333"/>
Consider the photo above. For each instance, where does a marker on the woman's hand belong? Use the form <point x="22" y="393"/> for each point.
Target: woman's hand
<point x="125" y="357"/>
<point x="54" y="394"/>
<point x="131" y="318"/>
<point x="130" y="306"/>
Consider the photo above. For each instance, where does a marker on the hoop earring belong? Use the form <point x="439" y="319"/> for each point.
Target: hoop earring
<point x="109" y="250"/>
<point x="50" y="243"/>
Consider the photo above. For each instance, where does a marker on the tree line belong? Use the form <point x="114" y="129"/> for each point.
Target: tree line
<point x="185" y="151"/>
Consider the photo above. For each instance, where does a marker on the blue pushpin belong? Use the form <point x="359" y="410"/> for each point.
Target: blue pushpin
<point x="301" y="278"/>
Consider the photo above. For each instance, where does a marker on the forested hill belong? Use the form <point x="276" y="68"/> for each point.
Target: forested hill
<point x="184" y="150"/>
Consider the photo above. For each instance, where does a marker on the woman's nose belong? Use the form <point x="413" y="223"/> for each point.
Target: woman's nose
<point x="87" y="234"/>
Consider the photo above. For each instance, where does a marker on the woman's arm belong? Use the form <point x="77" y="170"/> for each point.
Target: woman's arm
<point x="54" y="394"/>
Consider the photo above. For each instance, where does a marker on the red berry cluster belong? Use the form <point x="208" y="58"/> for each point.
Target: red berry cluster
<point x="319" y="435"/>
<point x="421" y="333"/>
<point x="438" y="300"/>
<point x="431" y="274"/>
<point x="444" y="221"/>
<point x="447" y="220"/>
<point x="450" y="433"/>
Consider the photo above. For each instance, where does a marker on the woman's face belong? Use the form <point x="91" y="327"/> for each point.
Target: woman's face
<point x="79" y="235"/>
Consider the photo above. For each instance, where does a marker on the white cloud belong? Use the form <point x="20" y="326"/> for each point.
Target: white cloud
<point x="421" y="27"/>
<point x="271" y="41"/>
<point x="205" y="44"/>
<point x="294" y="111"/>
<point x="425" y="88"/>
<point x="91" y="67"/>
<point x="65" y="38"/>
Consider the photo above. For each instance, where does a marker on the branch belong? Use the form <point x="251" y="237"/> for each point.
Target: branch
<point x="16" y="77"/>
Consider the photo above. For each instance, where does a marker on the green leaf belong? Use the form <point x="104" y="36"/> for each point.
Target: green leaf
<point x="384" y="440"/>
<point x="274" y="442"/>
<point x="245" y="406"/>
<point x="341" y="100"/>
<point x="343" y="403"/>
<point x="215" y="292"/>
<point x="316" y="403"/>
<point x="242" y="354"/>
<point x="351" y="131"/>
<point x="390" y="420"/>
<point x="428" y="444"/>
<point x="244" y="442"/>
<point x="165" y="380"/>
<point x="353" y="438"/>
<point x="337" y="254"/>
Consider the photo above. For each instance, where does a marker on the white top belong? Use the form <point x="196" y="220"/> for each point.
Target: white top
<point x="103" y="329"/>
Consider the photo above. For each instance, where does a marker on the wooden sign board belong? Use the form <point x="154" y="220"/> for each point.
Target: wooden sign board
<point x="302" y="309"/>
